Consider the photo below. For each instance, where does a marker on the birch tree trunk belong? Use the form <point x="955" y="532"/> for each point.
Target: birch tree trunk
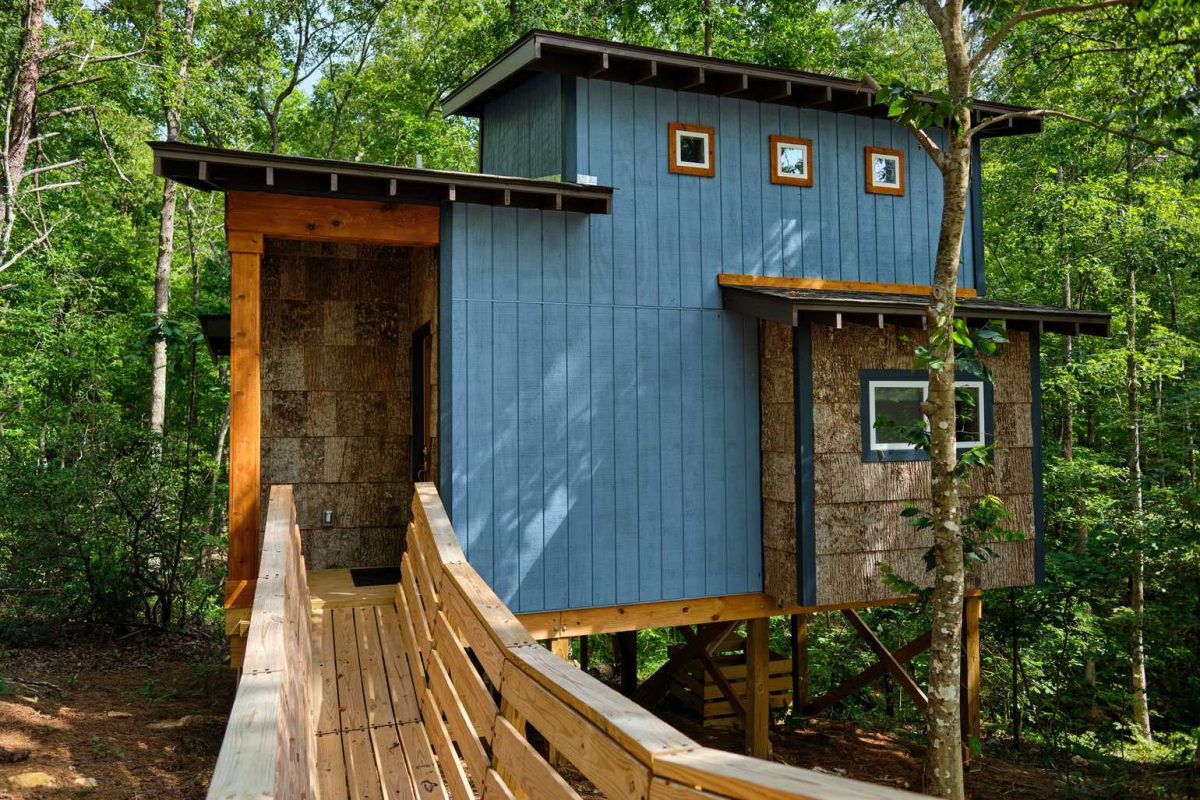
<point x="172" y="98"/>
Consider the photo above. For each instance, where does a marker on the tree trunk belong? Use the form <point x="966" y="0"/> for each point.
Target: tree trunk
<point x="708" y="28"/>
<point x="172" y="98"/>
<point x="946" y="604"/>
<point x="22" y="116"/>
<point x="1137" y="589"/>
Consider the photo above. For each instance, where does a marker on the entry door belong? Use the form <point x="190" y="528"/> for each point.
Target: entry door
<point x="422" y="400"/>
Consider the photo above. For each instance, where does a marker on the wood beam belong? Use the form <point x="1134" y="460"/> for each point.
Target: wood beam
<point x="972" y="612"/>
<point x="887" y="658"/>
<point x="774" y="282"/>
<point x="673" y="613"/>
<point x="330" y="219"/>
<point x="848" y="687"/>
<point x="758" y="696"/>
<point x="656" y="684"/>
<point x="245" y="418"/>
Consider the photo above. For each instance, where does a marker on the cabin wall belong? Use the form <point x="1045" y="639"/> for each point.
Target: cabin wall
<point x="604" y="450"/>
<point x="671" y="234"/>
<point x="337" y="321"/>
<point x="857" y="527"/>
<point x="521" y="132"/>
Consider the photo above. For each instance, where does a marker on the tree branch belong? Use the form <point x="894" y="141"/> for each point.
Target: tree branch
<point x="923" y="139"/>
<point x="993" y="41"/>
<point x="1042" y="113"/>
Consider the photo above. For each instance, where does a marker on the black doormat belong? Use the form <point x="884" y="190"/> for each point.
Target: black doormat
<point x="374" y="576"/>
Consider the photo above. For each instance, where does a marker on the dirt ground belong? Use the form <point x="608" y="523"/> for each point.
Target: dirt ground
<point x="143" y="719"/>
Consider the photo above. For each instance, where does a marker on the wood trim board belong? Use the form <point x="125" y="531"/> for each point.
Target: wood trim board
<point x="727" y="279"/>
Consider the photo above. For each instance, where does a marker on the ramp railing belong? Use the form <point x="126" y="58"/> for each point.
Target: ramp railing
<point x="483" y="684"/>
<point x="269" y="747"/>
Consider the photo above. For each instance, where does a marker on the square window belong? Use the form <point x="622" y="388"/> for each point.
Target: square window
<point x="791" y="161"/>
<point x="885" y="171"/>
<point x="691" y="150"/>
<point x="891" y="406"/>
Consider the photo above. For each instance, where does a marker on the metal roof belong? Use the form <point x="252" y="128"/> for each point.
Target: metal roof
<point x="218" y="169"/>
<point x="547" y="51"/>
<point x="786" y="306"/>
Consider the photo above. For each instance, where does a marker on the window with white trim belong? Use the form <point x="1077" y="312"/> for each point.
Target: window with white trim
<point x="891" y="408"/>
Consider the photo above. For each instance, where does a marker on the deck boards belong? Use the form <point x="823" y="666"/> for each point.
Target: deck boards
<point x="371" y="744"/>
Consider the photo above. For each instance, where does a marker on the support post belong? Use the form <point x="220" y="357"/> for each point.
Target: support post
<point x="585" y="652"/>
<point x="972" y="612"/>
<point x="627" y="653"/>
<point x="562" y="649"/>
<point x="799" y="661"/>
<point x="245" y="420"/>
<point x="758" y="707"/>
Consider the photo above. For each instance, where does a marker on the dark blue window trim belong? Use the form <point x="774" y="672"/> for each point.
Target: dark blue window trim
<point x="866" y="376"/>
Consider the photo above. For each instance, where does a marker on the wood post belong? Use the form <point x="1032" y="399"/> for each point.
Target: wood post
<point x="585" y="652"/>
<point x="627" y="655"/>
<point x="972" y="612"/>
<point x="758" y="706"/>
<point x="799" y="631"/>
<point x="245" y="420"/>
<point x="562" y="649"/>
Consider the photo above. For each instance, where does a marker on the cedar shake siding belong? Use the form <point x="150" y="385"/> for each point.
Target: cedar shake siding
<point x="337" y="324"/>
<point x="857" y="527"/>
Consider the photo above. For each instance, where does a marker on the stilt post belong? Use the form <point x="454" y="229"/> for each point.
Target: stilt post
<point x="799" y="631"/>
<point x="758" y="707"/>
<point x="627" y="654"/>
<point x="972" y="612"/>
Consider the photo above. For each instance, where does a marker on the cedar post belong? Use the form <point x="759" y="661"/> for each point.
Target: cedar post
<point x="758" y="707"/>
<point x="972" y="611"/>
<point x="799" y="661"/>
<point x="245" y="420"/>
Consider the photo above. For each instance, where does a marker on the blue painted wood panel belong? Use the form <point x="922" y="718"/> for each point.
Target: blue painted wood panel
<point x="600" y="411"/>
<point x="522" y="130"/>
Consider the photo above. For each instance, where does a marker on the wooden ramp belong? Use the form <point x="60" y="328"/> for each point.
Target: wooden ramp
<point x="371" y="744"/>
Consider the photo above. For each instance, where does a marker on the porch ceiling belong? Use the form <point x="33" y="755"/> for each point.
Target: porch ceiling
<point x="218" y="169"/>
<point x="876" y="308"/>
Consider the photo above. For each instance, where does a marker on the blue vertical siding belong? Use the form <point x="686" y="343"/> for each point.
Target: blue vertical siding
<point x="522" y="130"/>
<point x="600" y="410"/>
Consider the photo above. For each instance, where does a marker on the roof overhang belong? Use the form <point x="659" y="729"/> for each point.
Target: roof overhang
<point x="836" y="308"/>
<point x="547" y="51"/>
<point x="217" y="169"/>
<point x="215" y="328"/>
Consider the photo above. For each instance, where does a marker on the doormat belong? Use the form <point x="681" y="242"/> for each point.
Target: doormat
<point x="374" y="576"/>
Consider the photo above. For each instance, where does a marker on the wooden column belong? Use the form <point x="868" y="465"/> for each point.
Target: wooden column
<point x="799" y="661"/>
<point x="972" y="611"/>
<point x="245" y="418"/>
<point x="758" y="706"/>
<point x="626" y="642"/>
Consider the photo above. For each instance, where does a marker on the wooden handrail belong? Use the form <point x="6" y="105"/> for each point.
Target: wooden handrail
<point x="452" y="621"/>
<point x="269" y="749"/>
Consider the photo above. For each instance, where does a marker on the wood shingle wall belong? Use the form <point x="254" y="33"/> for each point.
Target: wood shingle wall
<point x="857" y="524"/>
<point x="337" y="322"/>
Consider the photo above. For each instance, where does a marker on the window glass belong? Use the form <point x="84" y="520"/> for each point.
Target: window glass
<point x="793" y="160"/>
<point x="886" y="170"/>
<point x="896" y="407"/>
<point x="968" y="410"/>
<point x="693" y="148"/>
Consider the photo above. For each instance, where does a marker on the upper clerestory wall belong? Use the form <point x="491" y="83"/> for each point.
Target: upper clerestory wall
<point x="737" y="221"/>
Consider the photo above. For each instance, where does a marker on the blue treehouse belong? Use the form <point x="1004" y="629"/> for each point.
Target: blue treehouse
<point x="641" y="352"/>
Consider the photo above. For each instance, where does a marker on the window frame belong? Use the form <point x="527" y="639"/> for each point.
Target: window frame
<point x="878" y="188"/>
<point x="873" y="450"/>
<point x="777" y="144"/>
<point x="675" y="130"/>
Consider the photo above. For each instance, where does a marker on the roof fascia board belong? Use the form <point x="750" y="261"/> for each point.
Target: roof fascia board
<point x="517" y="58"/>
